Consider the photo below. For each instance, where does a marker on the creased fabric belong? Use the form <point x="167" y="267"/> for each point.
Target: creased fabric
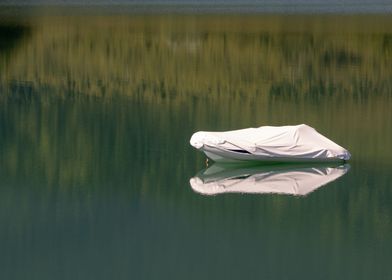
<point x="299" y="141"/>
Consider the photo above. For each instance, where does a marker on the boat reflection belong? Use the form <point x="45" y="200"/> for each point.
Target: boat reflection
<point x="289" y="179"/>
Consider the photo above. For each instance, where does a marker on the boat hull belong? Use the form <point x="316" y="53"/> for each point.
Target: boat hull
<point x="225" y="156"/>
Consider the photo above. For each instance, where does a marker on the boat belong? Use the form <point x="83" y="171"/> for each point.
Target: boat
<point x="292" y="143"/>
<point x="289" y="179"/>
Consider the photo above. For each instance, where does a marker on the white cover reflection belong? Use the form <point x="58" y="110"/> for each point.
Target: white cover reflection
<point x="290" y="179"/>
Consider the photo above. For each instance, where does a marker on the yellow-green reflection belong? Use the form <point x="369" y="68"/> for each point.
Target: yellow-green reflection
<point x="175" y="57"/>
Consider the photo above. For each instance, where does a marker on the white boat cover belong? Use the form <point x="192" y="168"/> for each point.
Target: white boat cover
<point x="269" y="143"/>
<point x="265" y="180"/>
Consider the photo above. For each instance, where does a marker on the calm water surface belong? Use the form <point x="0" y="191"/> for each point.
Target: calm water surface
<point x="95" y="119"/>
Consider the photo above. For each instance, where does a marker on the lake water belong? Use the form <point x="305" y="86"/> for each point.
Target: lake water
<point x="96" y="113"/>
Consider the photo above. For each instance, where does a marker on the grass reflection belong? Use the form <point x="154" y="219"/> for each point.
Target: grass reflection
<point x="175" y="57"/>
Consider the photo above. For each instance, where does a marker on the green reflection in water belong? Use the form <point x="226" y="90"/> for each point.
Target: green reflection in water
<point x="95" y="118"/>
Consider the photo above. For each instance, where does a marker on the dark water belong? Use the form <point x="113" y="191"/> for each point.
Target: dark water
<point x="197" y="6"/>
<point x="95" y="118"/>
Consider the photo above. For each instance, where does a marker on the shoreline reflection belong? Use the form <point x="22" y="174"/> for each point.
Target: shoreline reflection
<point x="297" y="180"/>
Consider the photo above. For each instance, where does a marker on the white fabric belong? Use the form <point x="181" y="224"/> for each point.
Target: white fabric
<point x="299" y="142"/>
<point x="293" y="181"/>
